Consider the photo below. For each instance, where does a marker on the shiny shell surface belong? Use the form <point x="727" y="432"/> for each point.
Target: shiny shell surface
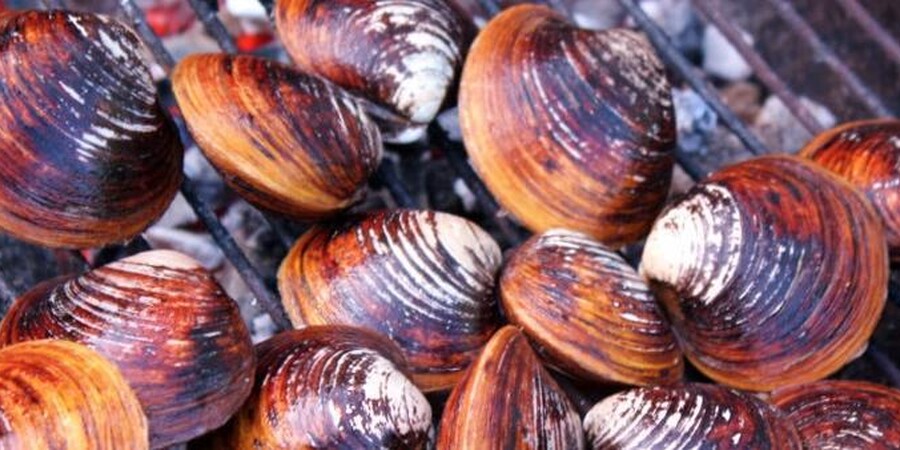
<point x="425" y="279"/>
<point x="687" y="416"/>
<point x="588" y="311"/>
<point x="89" y="157"/>
<point x="400" y="55"/>
<point x="773" y="271"/>
<point x="331" y="387"/>
<point x="569" y="128"/>
<point x="507" y="400"/>
<point x="287" y="142"/>
<point x="177" y="338"/>
<point x="57" y="394"/>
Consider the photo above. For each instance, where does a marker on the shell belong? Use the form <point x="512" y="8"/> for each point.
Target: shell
<point x="506" y="400"/>
<point x="773" y="272"/>
<point x="331" y="387"/>
<point x="588" y="311"/>
<point x="423" y="278"/>
<point x="63" y="395"/>
<point x="90" y="158"/>
<point x="843" y="414"/>
<point x="866" y="154"/>
<point x="178" y="339"/>
<point x="287" y="142"/>
<point x="400" y="55"/>
<point x="688" y="416"/>
<point x="569" y="128"/>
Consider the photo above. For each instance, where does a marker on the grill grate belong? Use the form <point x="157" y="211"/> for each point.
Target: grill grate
<point x="387" y="176"/>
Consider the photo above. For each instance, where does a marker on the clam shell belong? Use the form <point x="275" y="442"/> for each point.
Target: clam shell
<point x="688" y="416"/>
<point x="569" y="128"/>
<point x="507" y="400"/>
<point x="285" y="141"/>
<point x="89" y="157"/>
<point x="56" y="394"/>
<point x="866" y="154"/>
<point x="773" y="272"/>
<point x="424" y="279"/>
<point x="400" y="55"/>
<point x="177" y="338"/>
<point x="843" y="414"/>
<point x="588" y="311"/>
<point x="331" y="387"/>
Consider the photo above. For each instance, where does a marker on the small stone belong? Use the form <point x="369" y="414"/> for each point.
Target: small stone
<point x="694" y="119"/>
<point x="721" y="59"/>
<point x="744" y="98"/>
<point x="781" y="131"/>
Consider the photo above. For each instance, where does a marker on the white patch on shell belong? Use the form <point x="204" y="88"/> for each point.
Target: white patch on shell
<point x="114" y="47"/>
<point x="72" y="92"/>
<point x="686" y="245"/>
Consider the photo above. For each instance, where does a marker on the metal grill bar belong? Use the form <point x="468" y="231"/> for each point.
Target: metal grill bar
<point x="229" y="247"/>
<point x="884" y="363"/>
<point x="688" y="73"/>
<point x="713" y="14"/>
<point x="800" y="26"/>
<point x="868" y="23"/>
<point x="208" y="15"/>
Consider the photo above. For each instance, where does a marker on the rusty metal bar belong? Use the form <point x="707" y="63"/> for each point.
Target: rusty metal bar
<point x="875" y="30"/>
<point x="824" y="53"/>
<point x="688" y="72"/>
<point x="204" y="211"/>
<point x="712" y="12"/>
<point x="207" y="12"/>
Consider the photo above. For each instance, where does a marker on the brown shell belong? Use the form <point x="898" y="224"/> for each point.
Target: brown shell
<point x="569" y="128"/>
<point x="61" y="395"/>
<point x="287" y="142"/>
<point x="423" y="278"/>
<point x="89" y="157"/>
<point x="507" y="400"/>
<point x="843" y="414"/>
<point x="688" y="416"/>
<point x="178" y="339"/>
<point x="773" y="272"/>
<point x="867" y="154"/>
<point x="330" y="387"/>
<point x="588" y="311"/>
<point x="400" y="55"/>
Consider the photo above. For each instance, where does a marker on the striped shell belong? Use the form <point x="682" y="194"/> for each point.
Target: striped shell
<point x="63" y="395"/>
<point x="178" y="339"/>
<point x="425" y="279"/>
<point x="773" y="271"/>
<point x="331" y="387"/>
<point x="588" y="311"/>
<point x="400" y="55"/>
<point x="867" y="154"/>
<point x="569" y="128"/>
<point x="287" y="142"/>
<point x="688" y="416"/>
<point x="506" y="400"/>
<point x="833" y="415"/>
<point x="89" y="157"/>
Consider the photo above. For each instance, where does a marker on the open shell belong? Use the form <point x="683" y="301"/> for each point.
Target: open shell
<point x="569" y="128"/>
<point x="89" y="157"/>
<point x="178" y="339"/>
<point x="773" y="272"/>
